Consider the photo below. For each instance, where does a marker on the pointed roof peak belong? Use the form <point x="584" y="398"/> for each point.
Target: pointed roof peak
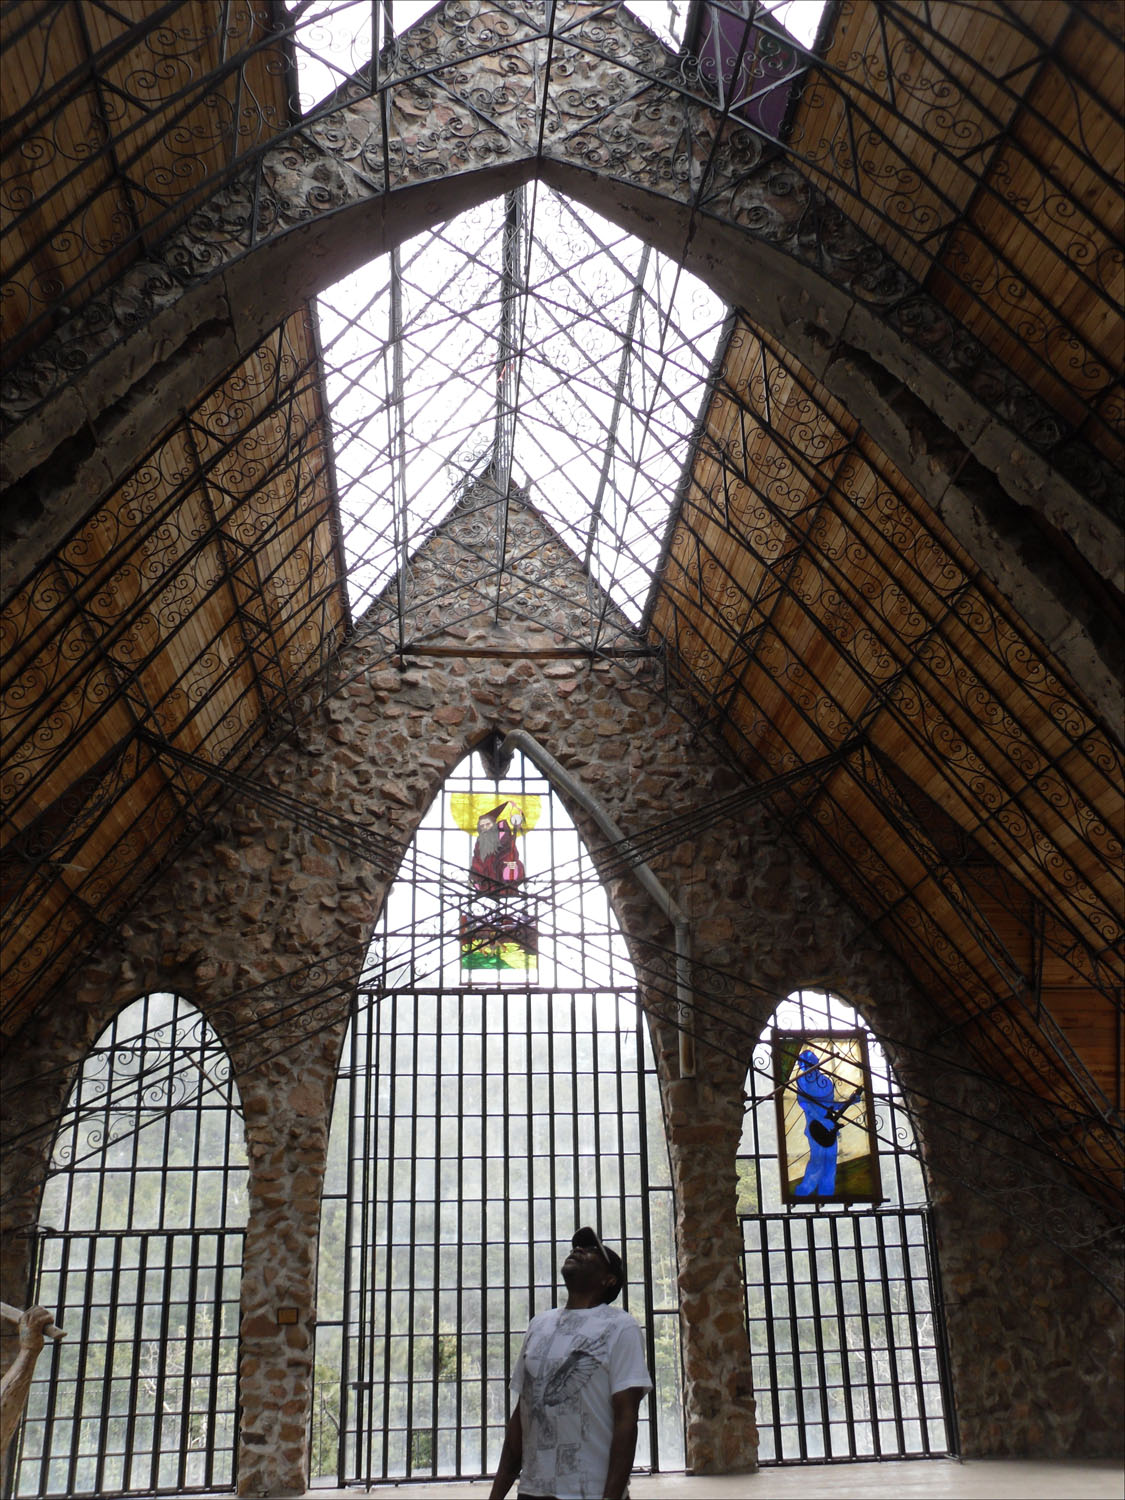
<point x="455" y="578"/>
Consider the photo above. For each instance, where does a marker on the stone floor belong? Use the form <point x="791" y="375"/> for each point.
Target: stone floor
<point x="923" y="1479"/>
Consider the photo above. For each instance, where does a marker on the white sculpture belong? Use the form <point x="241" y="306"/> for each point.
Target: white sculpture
<point x="35" y="1325"/>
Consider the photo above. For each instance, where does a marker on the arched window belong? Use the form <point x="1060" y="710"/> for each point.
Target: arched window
<point x="842" y="1294"/>
<point x="139" y="1255"/>
<point x="497" y="1090"/>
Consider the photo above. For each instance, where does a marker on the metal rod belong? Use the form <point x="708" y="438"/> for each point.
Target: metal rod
<point x="521" y="740"/>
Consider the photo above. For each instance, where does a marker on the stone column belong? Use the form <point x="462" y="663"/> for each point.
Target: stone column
<point x="704" y="1127"/>
<point x="287" y="1110"/>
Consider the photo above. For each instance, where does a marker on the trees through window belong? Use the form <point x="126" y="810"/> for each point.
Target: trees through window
<point x="139" y="1254"/>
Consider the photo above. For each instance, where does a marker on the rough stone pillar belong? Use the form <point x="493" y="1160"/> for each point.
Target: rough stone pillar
<point x="704" y="1127"/>
<point x="287" y="1110"/>
<point x="36" y="1075"/>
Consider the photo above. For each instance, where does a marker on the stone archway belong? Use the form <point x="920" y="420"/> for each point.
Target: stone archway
<point x="460" y="117"/>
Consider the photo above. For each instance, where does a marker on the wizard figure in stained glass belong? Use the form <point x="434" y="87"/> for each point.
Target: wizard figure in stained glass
<point x="496" y="861"/>
<point x="496" y="931"/>
<point x="816" y="1094"/>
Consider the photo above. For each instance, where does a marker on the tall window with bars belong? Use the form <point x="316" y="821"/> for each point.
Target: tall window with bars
<point x="139" y="1255"/>
<point x="842" y="1299"/>
<point x="497" y="1090"/>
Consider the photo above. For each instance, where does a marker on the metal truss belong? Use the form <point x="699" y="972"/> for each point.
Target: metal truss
<point x="522" y="343"/>
<point x="912" y="92"/>
<point x="921" y="63"/>
<point x="936" y="918"/>
<point x="1015" y="734"/>
<point x="221" y="550"/>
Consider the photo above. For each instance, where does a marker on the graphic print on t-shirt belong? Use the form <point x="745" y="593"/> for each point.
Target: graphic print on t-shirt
<point x="571" y="1363"/>
<point x="576" y="1370"/>
<point x="567" y="1386"/>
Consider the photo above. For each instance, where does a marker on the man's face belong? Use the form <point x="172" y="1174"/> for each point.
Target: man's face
<point x="585" y="1270"/>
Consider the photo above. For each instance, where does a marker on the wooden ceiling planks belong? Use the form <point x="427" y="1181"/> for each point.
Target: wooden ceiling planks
<point x="134" y="109"/>
<point x="66" y="916"/>
<point x="65" y="874"/>
<point x="977" y="957"/>
<point x="887" y="128"/>
<point x="1069" y="1007"/>
<point x="808" y="591"/>
<point x="32" y="72"/>
<point x="837" y="604"/>
<point x="191" y="606"/>
<point x="982" y="145"/>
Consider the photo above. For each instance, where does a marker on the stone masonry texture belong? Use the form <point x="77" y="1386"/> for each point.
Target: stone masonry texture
<point x="264" y="923"/>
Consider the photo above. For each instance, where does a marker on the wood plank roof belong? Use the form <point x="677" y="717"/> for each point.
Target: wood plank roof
<point x="981" y="143"/>
<point x="814" y="602"/>
<point x="191" y="607"/>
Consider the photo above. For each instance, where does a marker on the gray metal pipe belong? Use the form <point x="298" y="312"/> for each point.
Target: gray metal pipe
<point x="519" y="739"/>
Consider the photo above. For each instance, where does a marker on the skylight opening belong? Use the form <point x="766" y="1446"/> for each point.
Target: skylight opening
<point x="573" y="366"/>
<point x="611" y="344"/>
<point x="333" y="39"/>
<point x="800" y="18"/>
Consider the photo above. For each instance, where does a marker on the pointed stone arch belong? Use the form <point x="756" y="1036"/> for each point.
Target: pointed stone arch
<point x="264" y="914"/>
<point x="488" y="1102"/>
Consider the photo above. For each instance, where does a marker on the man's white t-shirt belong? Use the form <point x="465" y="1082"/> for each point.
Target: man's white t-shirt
<point x="571" y="1363"/>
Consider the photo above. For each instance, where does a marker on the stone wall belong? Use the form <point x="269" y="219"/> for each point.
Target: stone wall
<point x="264" y="923"/>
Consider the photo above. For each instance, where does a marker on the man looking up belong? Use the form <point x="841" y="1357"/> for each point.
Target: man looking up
<point x="578" y="1384"/>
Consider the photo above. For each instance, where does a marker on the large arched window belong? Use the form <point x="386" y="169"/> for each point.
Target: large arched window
<point x="497" y="1090"/>
<point x="139" y="1255"/>
<point x="842" y="1293"/>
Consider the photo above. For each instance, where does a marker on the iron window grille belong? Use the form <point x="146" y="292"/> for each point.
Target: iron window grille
<point x="480" y="1117"/>
<point x="843" y="1302"/>
<point x="139" y="1254"/>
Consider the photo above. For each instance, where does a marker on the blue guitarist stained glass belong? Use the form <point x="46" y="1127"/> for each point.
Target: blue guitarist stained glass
<point x="829" y="1152"/>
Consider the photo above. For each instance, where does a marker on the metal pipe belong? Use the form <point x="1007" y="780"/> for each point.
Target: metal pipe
<point x="519" y="739"/>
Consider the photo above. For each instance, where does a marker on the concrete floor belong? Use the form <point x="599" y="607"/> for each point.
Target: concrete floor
<point x="921" y="1479"/>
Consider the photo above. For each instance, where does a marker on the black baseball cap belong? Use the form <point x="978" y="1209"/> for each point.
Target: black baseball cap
<point x="590" y="1239"/>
